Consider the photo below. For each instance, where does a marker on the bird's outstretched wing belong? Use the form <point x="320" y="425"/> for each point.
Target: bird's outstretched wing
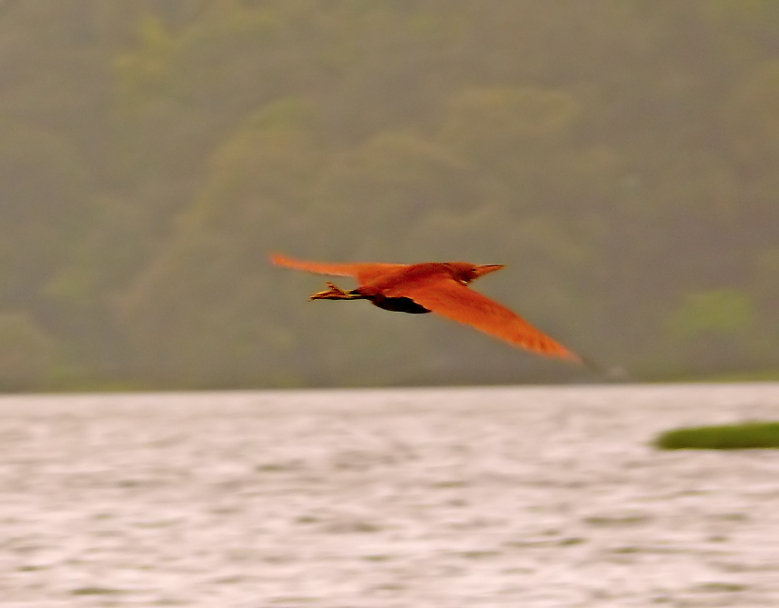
<point x="457" y="302"/>
<point x="363" y="272"/>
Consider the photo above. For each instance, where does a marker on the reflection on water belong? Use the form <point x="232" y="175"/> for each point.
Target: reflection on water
<point x="405" y="498"/>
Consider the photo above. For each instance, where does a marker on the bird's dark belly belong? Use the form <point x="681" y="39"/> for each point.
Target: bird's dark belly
<point x="399" y="305"/>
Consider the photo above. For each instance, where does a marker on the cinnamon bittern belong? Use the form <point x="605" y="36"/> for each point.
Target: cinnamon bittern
<point x="433" y="287"/>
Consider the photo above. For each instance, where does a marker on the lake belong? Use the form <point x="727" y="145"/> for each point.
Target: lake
<point x="409" y="498"/>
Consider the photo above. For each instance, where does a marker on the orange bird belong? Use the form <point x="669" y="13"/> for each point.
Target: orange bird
<point x="433" y="287"/>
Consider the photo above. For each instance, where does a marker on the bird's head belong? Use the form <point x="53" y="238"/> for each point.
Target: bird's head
<point x="466" y="272"/>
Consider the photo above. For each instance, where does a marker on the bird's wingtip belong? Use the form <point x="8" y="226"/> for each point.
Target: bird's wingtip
<point x="609" y="373"/>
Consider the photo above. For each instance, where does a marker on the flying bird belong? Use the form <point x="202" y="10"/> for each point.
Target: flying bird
<point x="441" y="288"/>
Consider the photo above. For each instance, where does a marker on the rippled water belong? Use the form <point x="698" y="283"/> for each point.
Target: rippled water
<point x="510" y="497"/>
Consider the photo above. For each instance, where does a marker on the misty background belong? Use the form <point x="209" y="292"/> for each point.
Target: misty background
<point x="621" y="157"/>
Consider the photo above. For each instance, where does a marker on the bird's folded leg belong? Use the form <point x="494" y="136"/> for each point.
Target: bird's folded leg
<point x="334" y="293"/>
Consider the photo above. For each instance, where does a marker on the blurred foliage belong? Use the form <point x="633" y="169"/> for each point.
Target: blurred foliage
<point x="26" y="353"/>
<point x="747" y="435"/>
<point x="620" y="156"/>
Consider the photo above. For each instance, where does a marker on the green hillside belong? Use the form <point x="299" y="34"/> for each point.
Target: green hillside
<point x="621" y="157"/>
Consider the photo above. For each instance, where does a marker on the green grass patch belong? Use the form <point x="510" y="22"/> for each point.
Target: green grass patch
<point x="94" y="591"/>
<point x="744" y="436"/>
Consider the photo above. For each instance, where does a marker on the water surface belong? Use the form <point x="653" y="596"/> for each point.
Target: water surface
<point x="498" y="497"/>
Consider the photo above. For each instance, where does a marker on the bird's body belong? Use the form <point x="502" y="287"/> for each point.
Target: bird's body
<point x="433" y="287"/>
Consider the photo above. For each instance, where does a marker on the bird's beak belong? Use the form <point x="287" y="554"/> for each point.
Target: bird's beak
<point x="480" y="271"/>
